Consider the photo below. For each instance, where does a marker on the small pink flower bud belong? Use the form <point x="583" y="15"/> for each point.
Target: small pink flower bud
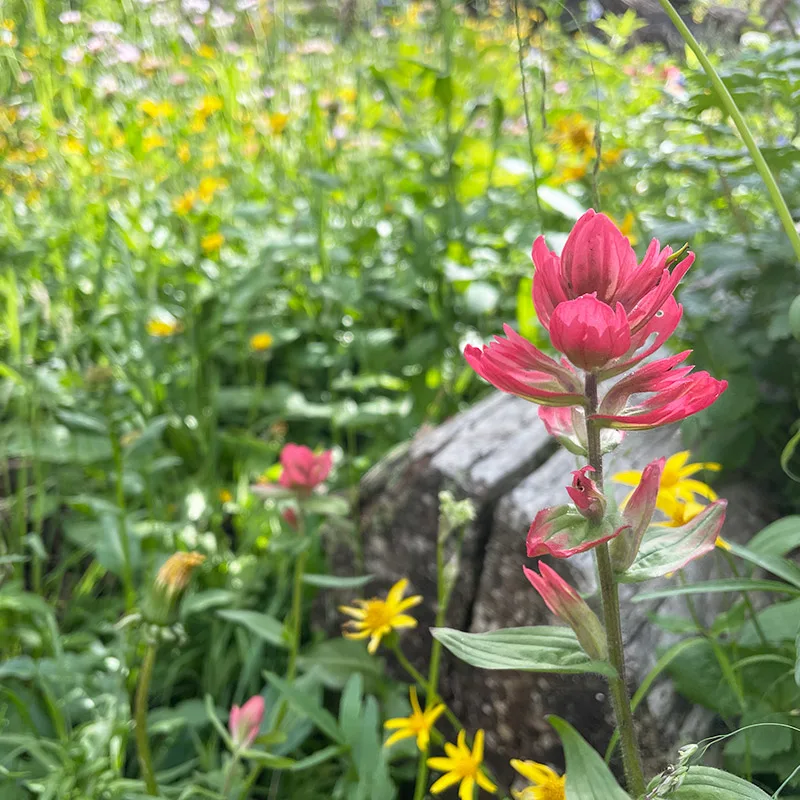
<point x="570" y="607"/>
<point x="245" y="722"/>
<point x="588" y="499"/>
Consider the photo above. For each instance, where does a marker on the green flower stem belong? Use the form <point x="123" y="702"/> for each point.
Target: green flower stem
<point x="140" y="720"/>
<point x="296" y="613"/>
<point x="226" y="787"/>
<point x="423" y="684"/>
<point x="122" y="524"/>
<point x="748" y="604"/>
<point x="741" y="125"/>
<point x="436" y="657"/>
<point x="631" y="759"/>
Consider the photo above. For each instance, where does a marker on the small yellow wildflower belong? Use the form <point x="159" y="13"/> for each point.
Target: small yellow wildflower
<point x="347" y="94"/>
<point x="546" y="784"/>
<point x="676" y="483"/>
<point x="376" y="618"/>
<point x="152" y="141"/>
<point x="117" y="139"/>
<point x="278" y="121"/>
<point x="205" y="51"/>
<point x="261" y="341"/>
<point x="209" y="162"/>
<point x="211" y="242"/>
<point x="462" y="765"/>
<point x="574" y="134"/>
<point x="176" y="571"/>
<point x="183" y="152"/>
<point x="225" y="496"/>
<point x="570" y="174"/>
<point x="419" y="724"/>
<point x="161" y="328"/>
<point x="185" y="203"/>
<point x="208" y="187"/>
<point x="157" y="110"/>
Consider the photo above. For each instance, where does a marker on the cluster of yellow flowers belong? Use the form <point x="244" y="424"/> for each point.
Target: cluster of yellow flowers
<point x="463" y="765"/>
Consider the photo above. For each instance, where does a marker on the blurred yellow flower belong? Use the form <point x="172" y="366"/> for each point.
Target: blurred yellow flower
<point x="348" y="94"/>
<point x="117" y="138"/>
<point x="574" y="134"/>
<point x="261" y="341"/>
<point x="162" y="327"/>
<point x="176" y="571"/>
<point x="569" y="174"/>
<point x="208" y="105"/>
<point x="211" y="242"/>
<point x="418" y="724"/>
<point x="679" y="512"/>
<point x="463" y="766"/>
<point x="73" y="147"/>
<point x="208" y="187"/>
<point x="376" y="618"/>
<point x="225" y="496"/>
<point x="278" y="121"/>
<point x="546" y="784"/>
<point x="205" y="51"/>
<point x="152" y="141"/>
<point x="157" y="110"/>
<point x="184" y="152"/>
<point x="626" y="226"/>
<point x="185" y="203"/>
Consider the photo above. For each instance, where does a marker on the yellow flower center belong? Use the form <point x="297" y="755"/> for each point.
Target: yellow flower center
<point x="378" y="614"/>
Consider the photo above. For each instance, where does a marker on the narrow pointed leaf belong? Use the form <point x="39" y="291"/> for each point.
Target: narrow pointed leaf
<point x="775" y="564"/>
<point x="588" y="777"/>
<point x="707" y="783"/>
<point x="718" y="586"/>
<point x="537" y="649"/>
<point x="666" y="550"/>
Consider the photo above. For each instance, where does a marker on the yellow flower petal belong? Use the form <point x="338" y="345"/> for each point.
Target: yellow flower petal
<point x="445" y="782"/>
<point x="630" y="477"/>
<point x="467" y="788"/>
<point x="405" y="733"/>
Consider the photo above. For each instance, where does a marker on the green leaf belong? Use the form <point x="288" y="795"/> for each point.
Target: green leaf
<point x="588" y="777"/>
<point x="707" y="783"/>
<point x="537" y="649"/>
<point x="350" y="709"/>
<point x="307" y="704"/>
<point x="774" y="564"/>
<point x="262" y="625"/>
<point x="335" y="660"/>
<point x="328" y="505"/>
<point x="777" y="539"/>
<point x="317" y="758"/>
<point x="666" y="550"/>
<point x="337" y="581"/>
<point x="722" y="585"/>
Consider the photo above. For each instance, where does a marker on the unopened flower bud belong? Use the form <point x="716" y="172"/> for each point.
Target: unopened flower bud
<point x="453" y="514"/>
<point x="244" y="723"/>
<point x="170" y="584"/>
<point x="588" y="499"/>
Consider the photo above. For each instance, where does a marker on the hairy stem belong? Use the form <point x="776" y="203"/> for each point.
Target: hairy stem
<point x="140" y="717"/>
<point x="631" y="759"/>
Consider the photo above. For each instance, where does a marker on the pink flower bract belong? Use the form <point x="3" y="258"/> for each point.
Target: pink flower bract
<point x="302" y="469"/>
<point x="245" y="722"/>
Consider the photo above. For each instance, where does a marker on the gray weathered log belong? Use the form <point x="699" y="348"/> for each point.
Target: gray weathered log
<point x="499" y="455"/>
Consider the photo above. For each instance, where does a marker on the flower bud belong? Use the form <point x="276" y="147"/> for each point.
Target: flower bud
<point x="244" y="723"/>
<point x="569" y="606"/>
<point x="170" y="584"/>
<point x="588" y="499"/>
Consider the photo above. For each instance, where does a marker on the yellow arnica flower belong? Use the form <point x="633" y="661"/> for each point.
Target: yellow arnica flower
<point x="373" y="619"/>
<point x="208" y="105"/>
<point x="419" y="724"/>
<point x="546" y="784"/>
<point x="261" y="341"/>
<point x="205" y="51"/>
<point x="185" y="203"/>
<point x="212" y="242"/>
<point x="176" y="571"/>
<point x="676" y="483"/>
<point x="463" y="766"/>
<point x="184" y="152"/>
<point x="162" y="327"/>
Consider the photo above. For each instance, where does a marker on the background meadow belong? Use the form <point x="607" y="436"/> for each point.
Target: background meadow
<point x="228" y="226"/>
